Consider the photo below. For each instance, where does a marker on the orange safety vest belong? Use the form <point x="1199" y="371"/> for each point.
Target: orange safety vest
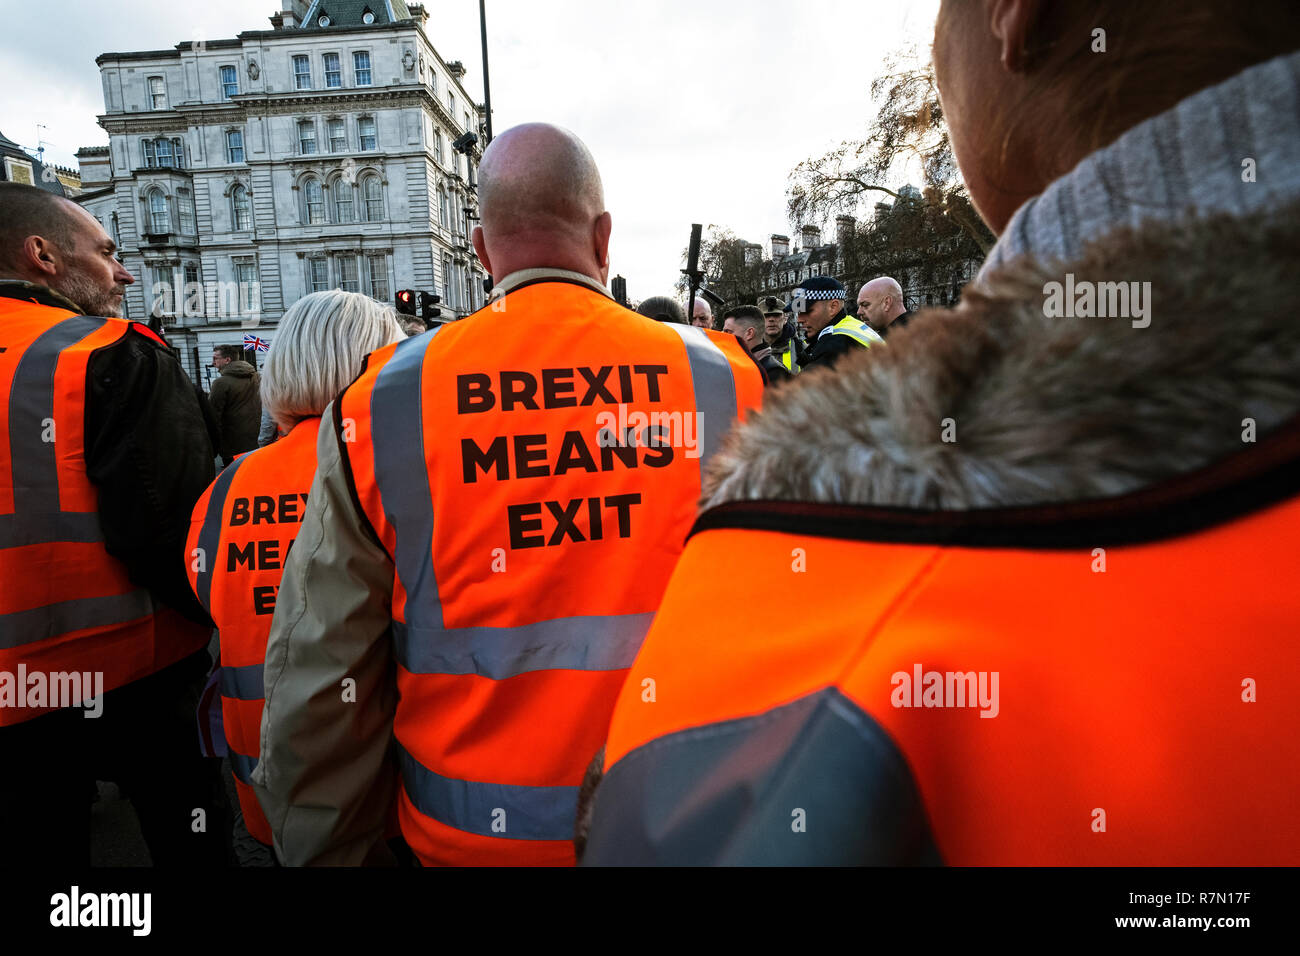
<point x="530" y="545"/>
<point x="66" y="605"/>
<point x="240" y="535"/>
<point x="1096" y="683"/>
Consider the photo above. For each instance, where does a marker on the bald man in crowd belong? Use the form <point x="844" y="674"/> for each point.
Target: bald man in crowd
<point x="880" y="305"/>
<point x="485" y="544"/>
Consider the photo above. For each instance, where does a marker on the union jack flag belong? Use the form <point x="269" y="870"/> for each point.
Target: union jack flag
<point x="251" y="341"/>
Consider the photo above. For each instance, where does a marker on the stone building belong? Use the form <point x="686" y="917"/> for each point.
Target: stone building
<point x="242" y="174"/>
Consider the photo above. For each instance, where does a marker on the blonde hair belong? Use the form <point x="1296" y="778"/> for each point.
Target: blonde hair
<point x="317" y="351"/>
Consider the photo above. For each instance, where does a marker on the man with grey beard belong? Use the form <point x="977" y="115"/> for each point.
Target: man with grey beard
<point x="103" y="452"/>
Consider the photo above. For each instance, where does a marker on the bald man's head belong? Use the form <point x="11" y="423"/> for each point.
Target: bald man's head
<point x="541" y="203"/>
<point x="880" y="301"/>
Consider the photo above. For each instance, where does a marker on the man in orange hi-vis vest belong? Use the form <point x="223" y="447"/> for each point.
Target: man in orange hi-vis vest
<point x="493" y="521"/>
<point x="103" y="451"/>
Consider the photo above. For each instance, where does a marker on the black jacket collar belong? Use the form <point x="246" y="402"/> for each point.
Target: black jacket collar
<point x="34" y="292"/>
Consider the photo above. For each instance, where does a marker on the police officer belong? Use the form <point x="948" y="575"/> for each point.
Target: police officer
<point x="782" y="334"/>
<point x="818" y="304"/>
<point x="494" y="517"/>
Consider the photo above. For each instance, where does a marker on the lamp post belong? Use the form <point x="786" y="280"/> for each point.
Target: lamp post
<point x="487" y="89"/>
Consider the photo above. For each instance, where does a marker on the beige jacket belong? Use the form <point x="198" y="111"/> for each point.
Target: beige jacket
<point x="324" y="777"/>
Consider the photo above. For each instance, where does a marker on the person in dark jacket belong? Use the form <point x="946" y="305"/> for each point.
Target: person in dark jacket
<point x="745" y="322"/>
<point x="782" y="335"/>
<point x="148" y="454"/>
<point x="235" y="400"/>
<point x="880" y="305"/>
<point x="818" y="304"/>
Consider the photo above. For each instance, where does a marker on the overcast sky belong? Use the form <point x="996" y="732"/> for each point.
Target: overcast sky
<point x="696" y="110"/>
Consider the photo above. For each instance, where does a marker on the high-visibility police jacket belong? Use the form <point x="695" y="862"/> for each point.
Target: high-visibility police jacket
<point x="842" y="337"/>
<point x="1109" y="682"/>
<point x="240" y="536"/>
<point x="66" y="605"/>
<point x="533" y="492"/>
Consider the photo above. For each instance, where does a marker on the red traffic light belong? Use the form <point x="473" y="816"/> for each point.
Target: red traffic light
<point x="406" y="302"/>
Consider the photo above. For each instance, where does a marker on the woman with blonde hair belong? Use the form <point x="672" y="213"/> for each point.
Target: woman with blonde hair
<point x="246" y="522"/>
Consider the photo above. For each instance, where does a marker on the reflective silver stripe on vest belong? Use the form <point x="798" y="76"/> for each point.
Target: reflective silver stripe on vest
<point x="242" y="683"/>
<point x="715" y="388"/>
<point x="210" y="534"/>
<point x="40" y="623"/>
<point x="75" y="527"/>
<point x="520" y="813"/>
<point x="242" y="766"/>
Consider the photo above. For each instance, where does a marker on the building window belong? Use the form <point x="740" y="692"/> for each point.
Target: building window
<point x="372" y="196"/>
<point x="185" y="209"/>
<point x="157" y="93"/>
<point x="366" y="133"/>
<point x="241" y="208"/>
<point x="164" y="297"/>
<point x="164" y="147"/>
<point x="446" y="281"/>
<point x="451" y="105"/>
<point x="234" y="146"/>
<point x="444" y="209"/>
<point x="306" y="137"/>
<point x="433" y="81"/>
<point x="377" y="276"/>
<point x="342" y="192"/>
<point x="246" y="276"/>
<point x="333" y="71"/>
<point x="150" y="159"/>
<point x="338" y="135"/>
<point x="348" y="274"/>
<point x="318" y="275"/>
<point x="467" y="121"/>
<point x="193" y="291"/>
<point x="160" y="220"/>
<point x="113" y="230"/>
<point x="301" y="73"/>
<point x="314" y="197"/>
<point x="361" y="67"/>
<point x="437" y="146"/>
<point x="229" y="82"/>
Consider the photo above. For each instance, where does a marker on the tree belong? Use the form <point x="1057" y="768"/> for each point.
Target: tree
<point x="908" y="126"/>
<point x="733" y="268"/>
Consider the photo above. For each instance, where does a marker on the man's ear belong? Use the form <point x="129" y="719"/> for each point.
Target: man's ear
<point x="480" y="247"/>
<point x="604" y="225"/>
<point x="1010" y="22"/>
<point x="40" y="256"/>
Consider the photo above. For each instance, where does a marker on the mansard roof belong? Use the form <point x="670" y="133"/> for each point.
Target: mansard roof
<point x="350" y="13"/>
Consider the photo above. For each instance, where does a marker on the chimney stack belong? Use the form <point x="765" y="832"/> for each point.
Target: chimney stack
<point x="811" y="236"/>
<point x="780" y="245"/>
<point x="845" y="226"/>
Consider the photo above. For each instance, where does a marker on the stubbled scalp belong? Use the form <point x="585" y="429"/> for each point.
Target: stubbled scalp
<point x="538" y="179"/>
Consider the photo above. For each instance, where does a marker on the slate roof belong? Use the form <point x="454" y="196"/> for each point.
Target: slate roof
<point x="9" y="148"/>
<point x="348" y="13"/>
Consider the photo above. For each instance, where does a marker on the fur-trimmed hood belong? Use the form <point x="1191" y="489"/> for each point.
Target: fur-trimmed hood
<point x="995" y="403"/>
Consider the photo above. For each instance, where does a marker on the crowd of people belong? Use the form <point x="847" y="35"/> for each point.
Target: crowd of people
<point x="605" y="595"/>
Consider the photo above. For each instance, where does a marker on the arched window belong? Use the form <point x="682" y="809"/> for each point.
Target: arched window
<point x="314" y="198"/>
<point x="342" y="191"/>
<point x="160" y="220"/>
<point x="240" y="208"/>
<point x="372" y="196"/>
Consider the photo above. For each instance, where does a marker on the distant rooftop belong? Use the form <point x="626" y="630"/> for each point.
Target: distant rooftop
<point x="323" y="14"/>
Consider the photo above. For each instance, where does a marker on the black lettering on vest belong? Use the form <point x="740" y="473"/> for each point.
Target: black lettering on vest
<point x="596" y="385"/>
<point x="235" y="556"/>
<point x="624" y="505"/>
<point x="264" y="598"/>
<point x="239" y="512"/>
<point x="574" y="454"/>
<point x="268" y="555"/>
<point x="625" y="380"/>
<point x="651" y="373"/>
<point x="624" y="451"/>
<point x="497" y="454"/>
<point x="557" y="383"/>
<point x="474" y="393"/>
<point x="659" y="447"/>
<point x="520" y="519"/>
<point x="526" y="455"/>
<point x="518" y="388"/>
<point x="593" y="519"/>
<point x="263" y="509"/>
<point x="288" y="509"/>
<point x="564" y="518"/>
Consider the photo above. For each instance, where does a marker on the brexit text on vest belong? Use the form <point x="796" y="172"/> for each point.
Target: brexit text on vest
<point x="622" y="439"/>
<point x="265" y="554"/>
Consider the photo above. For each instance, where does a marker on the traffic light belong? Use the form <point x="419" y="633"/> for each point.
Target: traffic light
<point x="406" y="302"/>
<point x="429" y="306"/>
